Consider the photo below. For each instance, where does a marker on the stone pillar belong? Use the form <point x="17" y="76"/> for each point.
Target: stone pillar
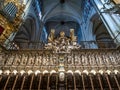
<point x="109" y="19"/>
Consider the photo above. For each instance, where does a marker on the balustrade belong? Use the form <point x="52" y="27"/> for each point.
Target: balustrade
<point x="43" y="66"/>
<point x="97" y="59"/>
<point x="50" y="81"/>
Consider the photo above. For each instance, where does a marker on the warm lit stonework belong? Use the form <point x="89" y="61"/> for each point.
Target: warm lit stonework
<point x="117" y="1"/>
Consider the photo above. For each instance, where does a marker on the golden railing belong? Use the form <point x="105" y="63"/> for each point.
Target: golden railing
<point x="38" y="70"/>
<point x="82" y="45"/>
<point x="48" y="81"/>
<point x="99" y="59"/>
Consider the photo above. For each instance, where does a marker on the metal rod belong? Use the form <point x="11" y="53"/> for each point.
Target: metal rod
<point x="48" y="82"/>
<point x="13" y="60"/>
<point x="74" y="82"/>
<point x="91" y="82"/>
<point x="100" y="82"/>
<point x="6" y="60"/>
<point x="108" y="81"/>
<point x="31" y="82"/>
<point x="56" y="81"/>
<point x="83" y="82"/>
<point x="66" y="81"/>
<point x="7" y="82"/>
<point x="117" y="82"/>
<point x="39" y="81"/>
<point x="0" y="77"/>
<point x="26" y="62"/>
<point x="15" y="82"/>
<point x="23" y="81"/>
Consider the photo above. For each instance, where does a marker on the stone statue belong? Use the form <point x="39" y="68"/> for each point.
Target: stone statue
<point x="62" y="34"/>
<point x="51" y="36"/>
<point x="31" y="60"/>
<point x="1" y="4"/>
<point x="24" y="59"/>
<point x="72" y="36"/>
<point x="38" y="59"/>
<point x="62" y="43"/>
<point x="17" y="59"/>
<point x="10" y="60"/>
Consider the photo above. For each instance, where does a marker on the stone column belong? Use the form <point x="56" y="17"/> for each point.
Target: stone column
<point x="109" y="19"/>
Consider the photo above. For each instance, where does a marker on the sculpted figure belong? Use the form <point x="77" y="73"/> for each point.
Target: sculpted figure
<point x="10" y="60"/>
<point x="51" y="36"/>
<point x="72" y="36"/>
<point x="61" y="41"/>
<point x="1" y="4"/>
<point x="17" y="60"/>
<point x="31" y="60"/>
<point x="24" y="59"/>
<point x="50" y="40"/>
<point x="38" y="60"/>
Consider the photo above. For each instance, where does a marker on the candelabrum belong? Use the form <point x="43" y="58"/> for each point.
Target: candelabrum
<point x="10" y="17"/>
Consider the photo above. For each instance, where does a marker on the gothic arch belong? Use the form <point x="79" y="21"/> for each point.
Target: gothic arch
<point x="100" y="31"/>
<point x="27" y="31"/>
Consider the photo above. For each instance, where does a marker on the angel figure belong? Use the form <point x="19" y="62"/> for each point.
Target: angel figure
<point x="51" y="36"/>
<point x="72" y="36"/>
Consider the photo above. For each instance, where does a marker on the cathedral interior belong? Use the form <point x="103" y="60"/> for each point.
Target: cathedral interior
<point x="59" y="44"/>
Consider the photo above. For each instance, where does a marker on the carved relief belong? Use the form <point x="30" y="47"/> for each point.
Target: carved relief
<point x="62" y="44"/>
<point x="17" y="59"/>
<point x="24" y="59"/>
<point x="11" y="58"/>
<point x="38" y="60"/>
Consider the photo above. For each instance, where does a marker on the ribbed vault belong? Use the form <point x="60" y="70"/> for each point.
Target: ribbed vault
<point x="62" y="11"/>
<point x="52" y="8"/>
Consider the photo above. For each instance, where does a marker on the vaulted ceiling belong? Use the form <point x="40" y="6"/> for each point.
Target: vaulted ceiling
<point x="59" y="11"/>
<point x="67" y="10"/>
<point x="63" y="15"/>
